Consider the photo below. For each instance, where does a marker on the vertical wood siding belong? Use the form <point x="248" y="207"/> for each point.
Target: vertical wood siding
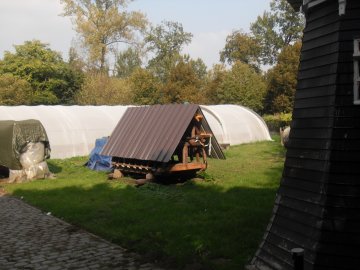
<point x="318" y="202"/>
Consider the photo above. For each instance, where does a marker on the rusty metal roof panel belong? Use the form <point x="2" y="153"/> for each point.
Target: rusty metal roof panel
<point x="150" y="133"/>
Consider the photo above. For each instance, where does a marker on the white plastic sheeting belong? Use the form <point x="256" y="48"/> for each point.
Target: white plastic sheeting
<point x="234" y="124"/>
<point x="72" y="130"/>
<point x="33" y="164"/>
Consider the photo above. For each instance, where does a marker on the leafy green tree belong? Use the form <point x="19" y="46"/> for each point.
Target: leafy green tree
<point x="75" y="61"/>
<point x="102" y="24"/>
<point x="197" y="65"/>
<point x="241" y="85"/>
<point x="100" y="89"/>
<point x="183" y="85"/>
<point x="14" y="91"/>
<point x="127" y="62"/>
<point x="52" y="80"/>
<point x="165" y="41"/>
<point x="214" y="79"/>
<point x="276" y="29"/>
<point x="145" y="86"/>
<point x="282" y="81"/>
<point x="241" y="47"/>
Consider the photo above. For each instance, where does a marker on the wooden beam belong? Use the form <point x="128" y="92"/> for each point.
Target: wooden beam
<point x="181" y="167"/>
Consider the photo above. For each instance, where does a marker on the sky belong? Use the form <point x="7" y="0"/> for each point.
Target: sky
<point x="210" y="22"/>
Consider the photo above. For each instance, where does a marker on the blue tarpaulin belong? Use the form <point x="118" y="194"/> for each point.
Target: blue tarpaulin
<point x="96" y="161"/>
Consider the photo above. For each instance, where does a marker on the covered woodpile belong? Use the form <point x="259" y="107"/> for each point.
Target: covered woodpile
<point x="24" y="147"/>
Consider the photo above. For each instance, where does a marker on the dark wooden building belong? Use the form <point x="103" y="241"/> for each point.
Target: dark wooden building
<point x="318" y="203"/>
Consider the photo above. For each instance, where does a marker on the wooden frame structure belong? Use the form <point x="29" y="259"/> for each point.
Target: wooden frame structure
<point x="189" y="157"/>
<point x="162" y="140"/>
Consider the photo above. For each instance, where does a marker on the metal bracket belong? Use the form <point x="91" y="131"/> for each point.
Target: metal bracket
<point x="342" y="7"/>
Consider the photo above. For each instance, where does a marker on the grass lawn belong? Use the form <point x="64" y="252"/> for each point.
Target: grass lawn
<point x="215" y="223"/>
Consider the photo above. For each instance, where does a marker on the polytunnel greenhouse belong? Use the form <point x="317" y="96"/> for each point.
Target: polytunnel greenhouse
<point x="72" y="130"/>
<point x="235" y="124"/>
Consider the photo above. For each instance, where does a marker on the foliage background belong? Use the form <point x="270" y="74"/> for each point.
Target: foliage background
<point x="150" y="68"/>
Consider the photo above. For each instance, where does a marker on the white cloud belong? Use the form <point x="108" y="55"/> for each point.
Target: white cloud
<point x="22" y="20"/>
<point x="207" y="46"/>
<point x="36" y="19"/>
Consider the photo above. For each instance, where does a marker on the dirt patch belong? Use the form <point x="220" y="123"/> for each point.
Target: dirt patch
<point x="2" y="190"/>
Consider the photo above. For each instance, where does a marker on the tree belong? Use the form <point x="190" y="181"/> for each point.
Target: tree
<point x="14" y="91"/>
<point x="145" y="86"/>
<point x="100" y="89"/>
<point x="75" y="61"/>
<point x="214" y="79"/>
<point x="197" y="65"/>
<point x="274" y="30"/>
<point x="166" y="41"/>
<point x="183" y="85"/>
<point x="282" y="81"/>
<point x="241" y="47"/>
<point x="241" y="85"/>
<point x="102" y="24"/>
<point x="127" y="62"/>
<point x="52" y="80"/>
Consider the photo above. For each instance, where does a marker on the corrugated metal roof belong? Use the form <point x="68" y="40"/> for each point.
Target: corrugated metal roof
<point x="152" y="133"/>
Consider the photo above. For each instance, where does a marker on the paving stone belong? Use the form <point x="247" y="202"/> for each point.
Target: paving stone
<point x="20" y="264"/>
<point x="31" y="239"/>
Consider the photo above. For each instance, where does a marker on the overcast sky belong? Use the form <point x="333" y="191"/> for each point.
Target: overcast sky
<point x="210" y="21"/>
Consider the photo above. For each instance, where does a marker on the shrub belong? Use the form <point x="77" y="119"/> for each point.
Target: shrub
<point x="14" y="90"/>
<point x="275" y="121"/>
<point x="100" y="89"/>
<point x="51" y="79"/>
<point x="241" y="85"/>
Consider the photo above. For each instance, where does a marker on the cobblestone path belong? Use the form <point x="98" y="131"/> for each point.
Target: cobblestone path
<point x="31" y="239"/>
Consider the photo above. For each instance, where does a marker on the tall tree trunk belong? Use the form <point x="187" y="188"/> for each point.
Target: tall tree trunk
<point x="102" y="59"/>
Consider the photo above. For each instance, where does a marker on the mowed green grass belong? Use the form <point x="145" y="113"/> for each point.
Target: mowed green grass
<point x="213" y="223"/>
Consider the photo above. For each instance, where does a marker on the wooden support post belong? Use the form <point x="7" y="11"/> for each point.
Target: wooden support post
<point x="298" y="258"/>
<point x="185" y="153"/>
<point x="204" y="154"/>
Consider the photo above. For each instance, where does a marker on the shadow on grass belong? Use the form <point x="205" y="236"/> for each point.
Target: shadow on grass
<point x="195" y="225"/>
<point x="53" y="167"/>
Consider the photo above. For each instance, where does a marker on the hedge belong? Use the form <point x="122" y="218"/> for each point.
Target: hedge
<point x="275" y="121"/>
